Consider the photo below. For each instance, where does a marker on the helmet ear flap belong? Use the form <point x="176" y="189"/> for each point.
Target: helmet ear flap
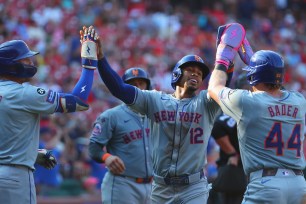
<point x="176" y="75"/>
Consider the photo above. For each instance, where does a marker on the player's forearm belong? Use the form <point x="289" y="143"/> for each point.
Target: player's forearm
<point x="114" y="83"/>
<point x="216" y="83"/>
<point x="83" y="86"/>
<point x="226" y="145"/>
<point x="96" y="152"/>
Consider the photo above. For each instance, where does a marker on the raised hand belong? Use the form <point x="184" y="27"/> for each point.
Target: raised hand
<point x="88" y="37"/>
<point x="229" y="40"/>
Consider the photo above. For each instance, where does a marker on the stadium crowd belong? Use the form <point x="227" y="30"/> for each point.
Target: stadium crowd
<point x="143" y="33"/>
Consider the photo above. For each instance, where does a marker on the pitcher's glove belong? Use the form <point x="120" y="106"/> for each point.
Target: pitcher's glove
<point x="89" y="47"/>
<point x="46" y="159"/>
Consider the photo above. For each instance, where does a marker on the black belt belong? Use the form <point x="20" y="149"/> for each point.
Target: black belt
<point x="273" y="171"/>
<point x="138" y="180"/>
<point x="180" y="180"/>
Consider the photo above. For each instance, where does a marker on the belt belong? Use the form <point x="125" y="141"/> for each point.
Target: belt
<point x="275" y="172"/>
<point x="138" y="180"/>
<point x="179" y="180"/>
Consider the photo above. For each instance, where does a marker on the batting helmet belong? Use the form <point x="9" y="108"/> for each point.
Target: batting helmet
<point x="136" y="73"/>
<point x="10" y="53"/>
<point x="185" y="61"/>
<point x="265" y="66"/>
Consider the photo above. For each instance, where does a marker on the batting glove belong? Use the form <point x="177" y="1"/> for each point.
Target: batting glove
<point x="245" y="51"/>
<point x="46" y="159"/>
<point x="229" y="40"/>
<point x="89" y="48"/>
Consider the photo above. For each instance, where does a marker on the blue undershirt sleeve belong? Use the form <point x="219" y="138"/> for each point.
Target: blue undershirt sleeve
<point x="83" y="86"/>
<point x="124" y="92"/>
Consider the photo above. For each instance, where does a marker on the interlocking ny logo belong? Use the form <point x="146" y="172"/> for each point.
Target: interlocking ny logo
<point x="135" y="72"/>
<point x="197" y="58"/>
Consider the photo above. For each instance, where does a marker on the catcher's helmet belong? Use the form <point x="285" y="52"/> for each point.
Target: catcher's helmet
<point x="10" y="53"/>
<point x="136" y="73"/>
<point x="265" y="66"/>
<point x="185" y="61"/>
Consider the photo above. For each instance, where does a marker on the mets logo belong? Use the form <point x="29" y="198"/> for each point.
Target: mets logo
<point x="197" y="58"/>
<point x="41" y="91"/>
<point x="97" y="129"/>
<point x="135" y="72"/>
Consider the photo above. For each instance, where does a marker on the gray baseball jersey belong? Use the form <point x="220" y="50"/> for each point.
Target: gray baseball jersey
<point x="180" y="133"/>
<point x="125" y="134"/>
<point x="20" y="107"/>
<point x="270" y="134"/>
<point x="270" y="130"/>
<point x="180" y="129"/>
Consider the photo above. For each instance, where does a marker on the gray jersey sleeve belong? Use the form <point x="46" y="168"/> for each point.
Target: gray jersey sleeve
<point x="38" y="100"/>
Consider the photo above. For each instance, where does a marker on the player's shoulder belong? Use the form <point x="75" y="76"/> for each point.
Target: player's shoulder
<point x="295" y="94"/>
<point x="33" y="91"/>
<point x="112" y="111"/>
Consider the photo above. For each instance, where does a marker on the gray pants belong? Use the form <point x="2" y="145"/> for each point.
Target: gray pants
<point x="117" y="189"/>
<point x="17" y="185"/>
<point x="195" y="193"/>
<point x="284" y="188"/>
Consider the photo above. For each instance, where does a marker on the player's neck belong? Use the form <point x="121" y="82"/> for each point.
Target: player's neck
<point x="183" y="93"/>
<point x="273" y="92"/>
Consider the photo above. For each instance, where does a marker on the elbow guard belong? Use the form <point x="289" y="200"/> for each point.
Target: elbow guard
<point x="69" y="103"/>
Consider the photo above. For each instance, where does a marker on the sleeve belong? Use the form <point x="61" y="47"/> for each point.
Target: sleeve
<point x="144" y="100"/>
<point x="38" y="100"/>
<point x="231" y="102"/>
<point x="100" y="136"/>
<point x="115" y="84"/>
<point x="83" y="86"/>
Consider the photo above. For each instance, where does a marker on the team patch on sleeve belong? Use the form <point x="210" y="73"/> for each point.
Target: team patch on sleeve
<point x="41" y="91"/>
<point x="97" y="129"/>
<point x="51" y="96"/>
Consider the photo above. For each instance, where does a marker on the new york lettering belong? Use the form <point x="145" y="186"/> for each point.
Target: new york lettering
<point x="183" y="116"/>
<point x="135" y="135"/>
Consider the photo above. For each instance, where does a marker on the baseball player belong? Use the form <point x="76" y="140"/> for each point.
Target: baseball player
<point x="20" y="107"/>
<point x="225" y="134"/>
<point x="181" y="124"/>
<point x="270" y="123"/>
<point x="126" y="135"/>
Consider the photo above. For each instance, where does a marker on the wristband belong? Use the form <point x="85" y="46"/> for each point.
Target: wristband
<point x="105" y="156"/>
<point x="221" y="67"/>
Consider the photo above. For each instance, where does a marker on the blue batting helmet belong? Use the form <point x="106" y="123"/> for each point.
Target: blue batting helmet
<point x="265" y="66"/>
<point x="136" y="73"/>
<point x="185" y="61"/>
<point x="10" y="53"/>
